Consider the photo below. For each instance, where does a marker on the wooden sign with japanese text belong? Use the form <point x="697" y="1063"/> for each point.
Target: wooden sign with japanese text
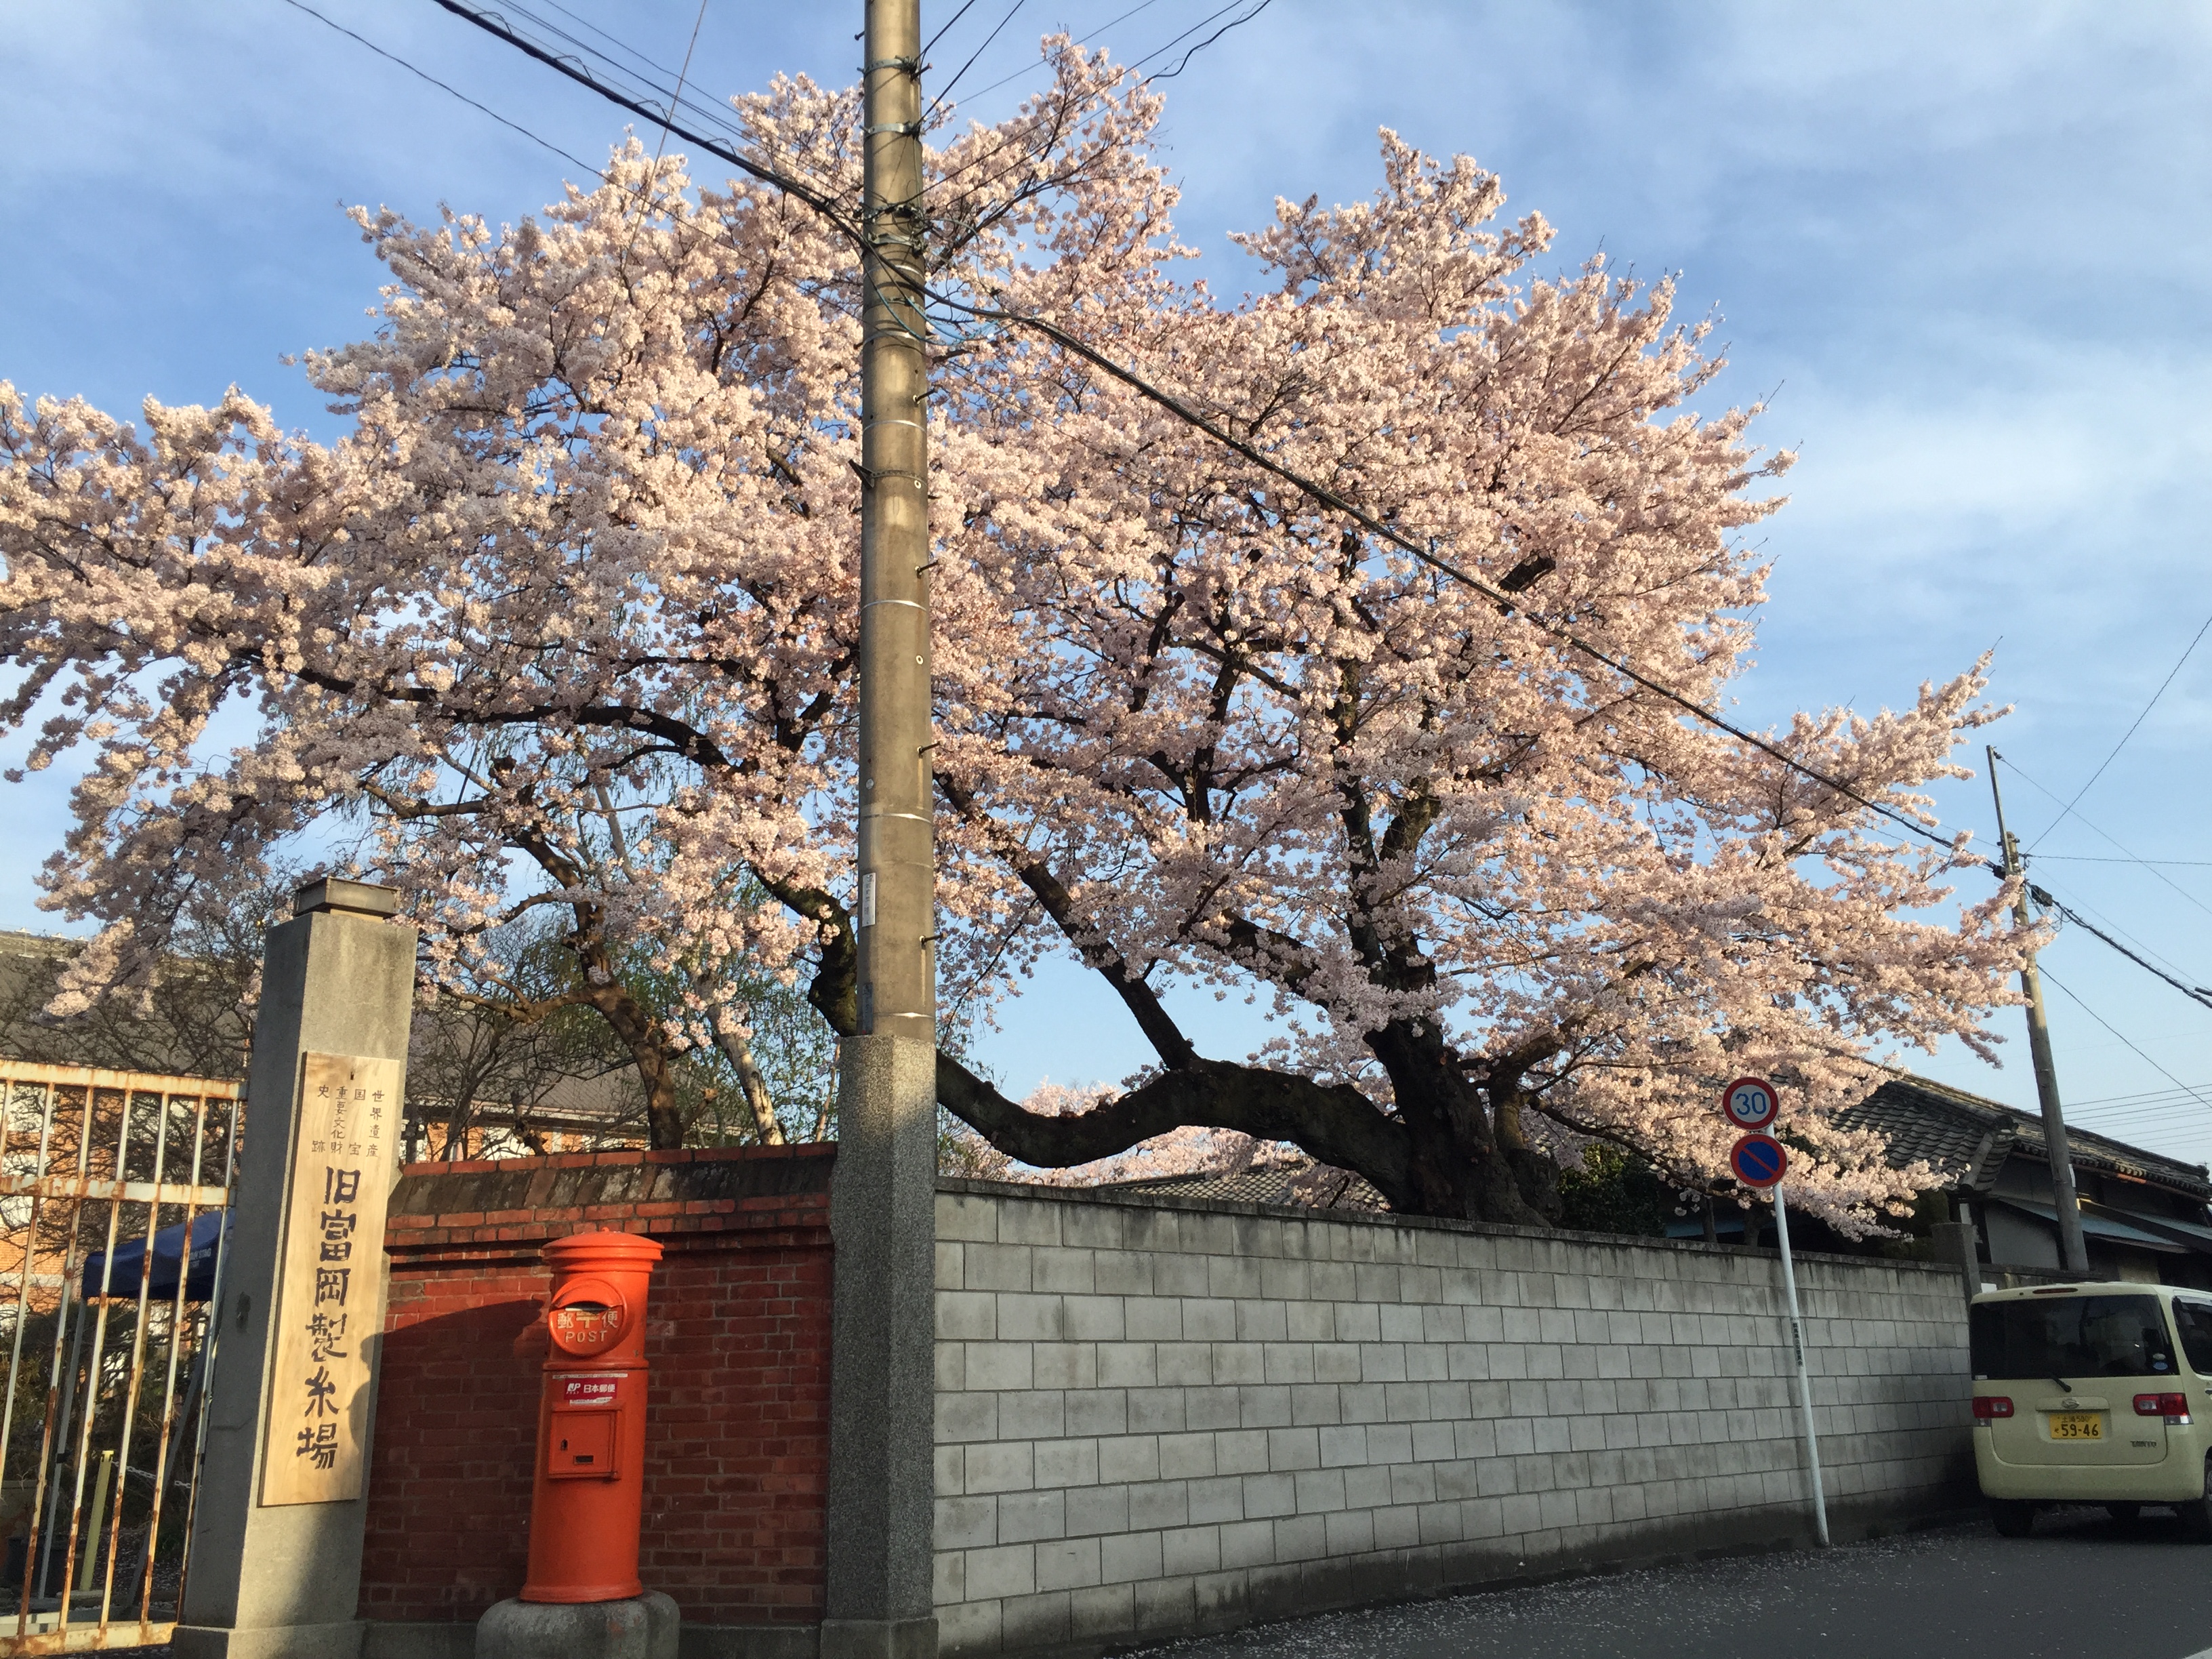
<point x="332" y="1294"/>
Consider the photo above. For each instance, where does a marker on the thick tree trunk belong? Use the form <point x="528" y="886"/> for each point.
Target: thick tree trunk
<point x="1436" y="1157"/>
<point x="1459" y="1169"/>
<point x="1535" y="1172"/>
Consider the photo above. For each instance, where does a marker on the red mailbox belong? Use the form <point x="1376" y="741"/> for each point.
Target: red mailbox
<point x="590" y="1486"/>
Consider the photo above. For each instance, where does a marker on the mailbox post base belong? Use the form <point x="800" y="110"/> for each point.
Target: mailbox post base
<point x="643" y="1628"/>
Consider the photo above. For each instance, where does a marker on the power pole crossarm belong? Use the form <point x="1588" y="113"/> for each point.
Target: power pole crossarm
<point x="2063" y="1202"/>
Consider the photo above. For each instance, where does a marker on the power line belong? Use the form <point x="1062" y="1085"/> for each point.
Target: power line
<point x="579" y="73"/>
<point x="708" y="231"/>
<point x="576" y="71"/>
<point x="2168" y="1103"/>
<point x="652" y="174"/>
<point x="2110" y="926"/>
<point x="2108" y="836"/>
<point x="1085" y="35"/>
<point x="712" y="233"/>
<point x="1170" y="44"/>
<point x="2120" y="1101"/>
<point x="2154" y="864"/>
<point x="1326" y="497"/>
<point x="2138" y="1053"/>
<point x="2125" y="735"/>
<point x="1619" y="664"/>
<point x="931" y="45"/>
<point x="2182" y="1113"/>
<point x="2195" y="993"/>
<point x="485" y="109"/>
<point x="615" y="41"/>
<point x="1184" y="64"/>
<point x="1138" y="63"/>
<point x="714" y="114"/>
<point x="936" y="102"/>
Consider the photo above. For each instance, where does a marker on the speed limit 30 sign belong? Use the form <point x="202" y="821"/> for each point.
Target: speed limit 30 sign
<point x="1750" y="1102"/>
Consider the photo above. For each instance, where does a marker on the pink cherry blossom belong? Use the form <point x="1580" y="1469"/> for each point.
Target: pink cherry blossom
<point x="566" y="618"/>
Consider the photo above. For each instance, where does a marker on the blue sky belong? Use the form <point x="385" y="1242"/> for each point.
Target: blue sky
<point x="1965" y="247"/>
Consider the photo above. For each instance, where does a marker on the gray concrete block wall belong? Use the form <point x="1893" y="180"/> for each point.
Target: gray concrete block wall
<point x="1154" y="1418"/>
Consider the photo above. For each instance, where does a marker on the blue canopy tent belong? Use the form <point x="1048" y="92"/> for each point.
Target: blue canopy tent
<point x="169" y="1251"/>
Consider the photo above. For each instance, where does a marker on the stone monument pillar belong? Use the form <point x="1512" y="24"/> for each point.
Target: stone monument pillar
<point x="275" y="1568"/>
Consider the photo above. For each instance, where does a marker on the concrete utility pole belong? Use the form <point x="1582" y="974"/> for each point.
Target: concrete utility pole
<point x="883" y="1198"/>
<point x="2039" y="1047"/>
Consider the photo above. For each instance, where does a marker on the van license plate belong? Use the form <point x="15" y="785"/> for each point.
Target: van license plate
<point x="2076" y="1425"/>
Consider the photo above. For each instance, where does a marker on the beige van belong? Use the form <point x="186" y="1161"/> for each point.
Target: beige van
<point x="2092" y="1393"/>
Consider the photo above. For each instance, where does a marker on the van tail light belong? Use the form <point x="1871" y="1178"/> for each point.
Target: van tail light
<point x="2173" y="1407"/>
<point x="1987" y="1406"/>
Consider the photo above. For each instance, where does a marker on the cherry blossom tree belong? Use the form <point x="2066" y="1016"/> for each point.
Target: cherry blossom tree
<point x="574" y="596"/>
<point x="1506" y="900"/>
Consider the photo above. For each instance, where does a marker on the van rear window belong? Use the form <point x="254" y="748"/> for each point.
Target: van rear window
<point x="2194" y="1320"/>
<point x="2070" y="1336"/>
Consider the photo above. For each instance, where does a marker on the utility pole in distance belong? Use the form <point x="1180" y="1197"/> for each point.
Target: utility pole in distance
<point x="883" y="1193"/>
<point x="2068" y="1207"/>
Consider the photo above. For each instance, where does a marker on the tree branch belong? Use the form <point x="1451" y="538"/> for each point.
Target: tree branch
<point x="1333" y="1122"/>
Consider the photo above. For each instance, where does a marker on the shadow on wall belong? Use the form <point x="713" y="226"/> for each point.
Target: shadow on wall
<point x="738" y="1338"/>
<point x="449" y="1485"/>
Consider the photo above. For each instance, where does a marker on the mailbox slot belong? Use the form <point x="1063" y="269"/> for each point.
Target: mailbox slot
<point x="582" y="1444"/>
<point x="588" y="1316"/>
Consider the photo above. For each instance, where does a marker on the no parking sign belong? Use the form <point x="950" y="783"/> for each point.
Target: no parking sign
<point x="1758" y="1161"/>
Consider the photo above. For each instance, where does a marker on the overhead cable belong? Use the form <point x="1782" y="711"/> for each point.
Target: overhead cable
<point x="936" y="102"/>
<point x="653" y="174"/>
<point x="2190" y="650"/>
<point x="930" y="46"/>
<point x="493" y="25"/>
<point x="484" y="109"/>
<point x="713" y="114"/>
<point x="2044" y="790"/>
<point x="2139" y="1054"/>
<point x="2195" y="993"/>
<point x="1184" y="62"/>
<point x="1079" y="38"/>
<point x="575" y="71"/>
<point x="2153" y="864"/>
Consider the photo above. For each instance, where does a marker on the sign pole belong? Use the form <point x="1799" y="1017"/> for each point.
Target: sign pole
<point x="1804" y="1383"/>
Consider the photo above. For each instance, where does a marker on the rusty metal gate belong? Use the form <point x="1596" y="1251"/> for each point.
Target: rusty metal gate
<point x="114" y="1200"/>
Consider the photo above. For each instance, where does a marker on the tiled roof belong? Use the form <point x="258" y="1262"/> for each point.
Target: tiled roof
<point x="1965" y="1136"/>
<point x="1270" y="1185"/>
<point x="1969" y="1138"/>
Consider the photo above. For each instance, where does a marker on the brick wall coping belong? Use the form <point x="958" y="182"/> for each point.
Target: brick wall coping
<point x="627" y="1157"/>
<point x="521" y="1202"/>
<point x="1391" y="1220"/>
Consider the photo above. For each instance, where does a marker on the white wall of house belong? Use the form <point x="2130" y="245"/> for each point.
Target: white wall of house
<point x="1154" y="1418"/>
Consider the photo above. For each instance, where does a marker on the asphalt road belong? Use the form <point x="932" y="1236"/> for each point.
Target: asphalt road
<point x="2083" y="1588"/>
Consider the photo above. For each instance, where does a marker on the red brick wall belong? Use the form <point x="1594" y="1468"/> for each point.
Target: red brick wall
<point x="737" y="1451"/>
